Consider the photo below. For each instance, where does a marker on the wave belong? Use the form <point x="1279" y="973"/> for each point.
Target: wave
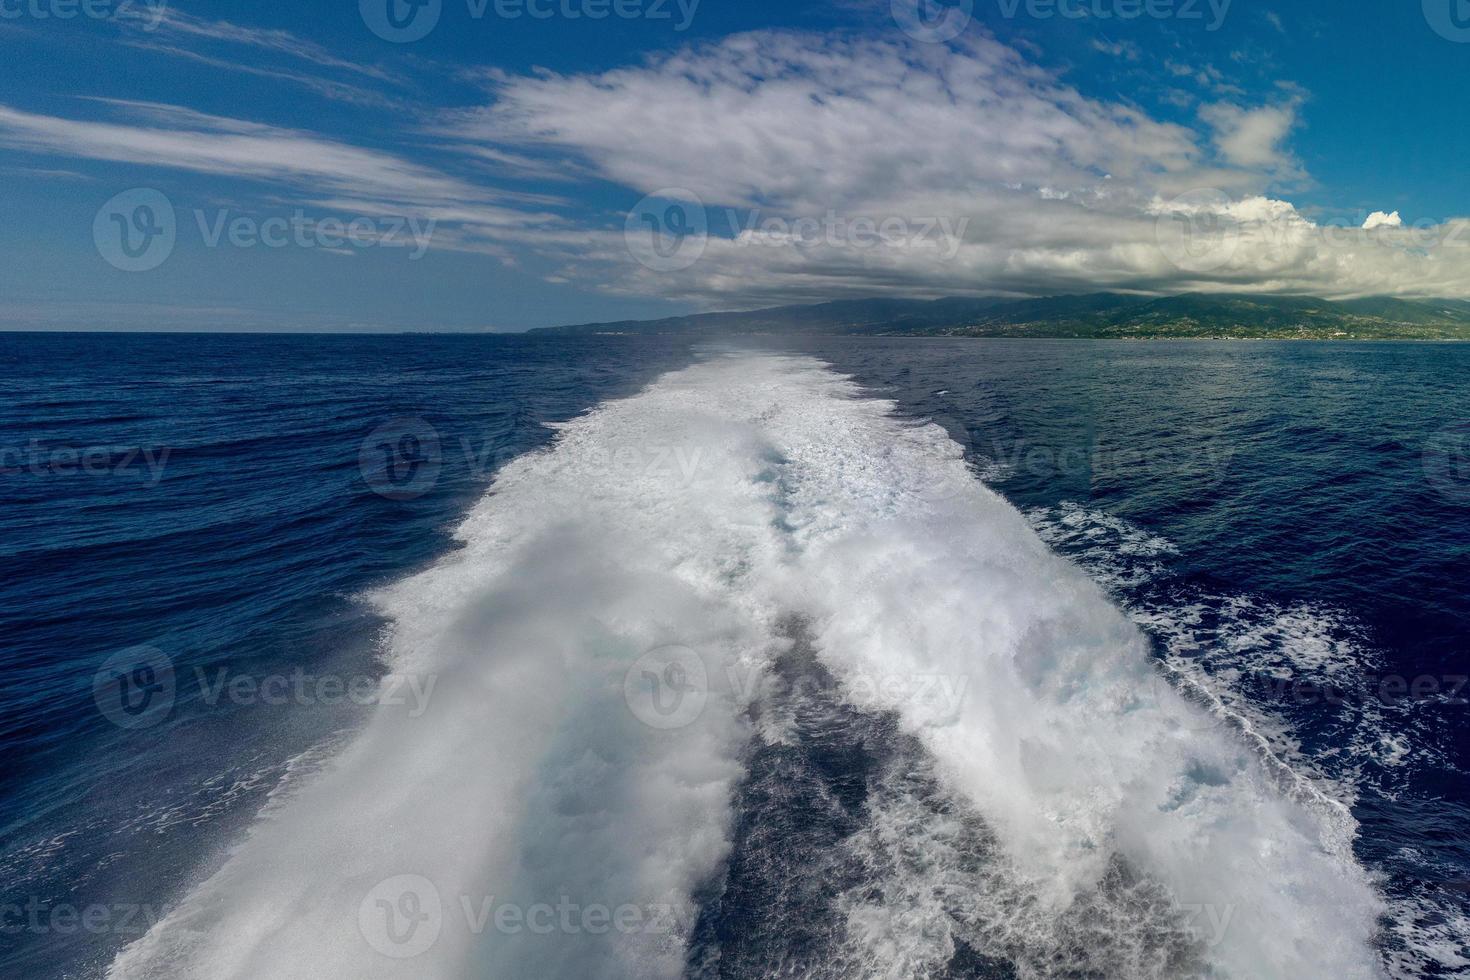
<point x="610" y="653"/>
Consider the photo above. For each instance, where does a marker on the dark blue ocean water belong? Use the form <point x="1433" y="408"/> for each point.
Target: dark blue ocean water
<point x="1290" y="522"/>
<point x="237" y="509"/>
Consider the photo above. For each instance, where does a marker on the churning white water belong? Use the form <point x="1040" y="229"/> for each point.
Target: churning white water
<point x="565" y="802"/>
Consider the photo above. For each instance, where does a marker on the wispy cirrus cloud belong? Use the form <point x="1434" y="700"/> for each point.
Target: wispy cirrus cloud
<point x="173" y="33"/>
<point x="228" y="147"/>
<point x="173" y="22"/>
<point x="302" y="167"/>
<point x="325" y="87"/>
<point x="1252" y="138"/>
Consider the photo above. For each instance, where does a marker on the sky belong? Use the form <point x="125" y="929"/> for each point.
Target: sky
<point x="498" y="165"/>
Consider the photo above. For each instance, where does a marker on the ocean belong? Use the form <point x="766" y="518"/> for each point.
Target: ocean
<point x="534" y="657"/>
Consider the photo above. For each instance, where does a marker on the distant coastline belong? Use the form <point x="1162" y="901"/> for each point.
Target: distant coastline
<point x="1095" y="316"/>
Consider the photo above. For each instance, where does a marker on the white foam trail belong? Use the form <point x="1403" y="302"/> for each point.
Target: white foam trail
<point x="529" y="778"/>
<point x="1065" y="742"/>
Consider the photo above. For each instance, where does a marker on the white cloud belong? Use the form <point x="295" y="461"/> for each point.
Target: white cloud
<point x="1252" y="138"/>
<point x="1126" y="50"/>
<point x="170" y="21"/>
<point x="168" y="31"/>
<point x="1025" y="185"/>
<point x="1059" y="192"/>
<point x="311" y="169"/>
<point x="229" y="147"/>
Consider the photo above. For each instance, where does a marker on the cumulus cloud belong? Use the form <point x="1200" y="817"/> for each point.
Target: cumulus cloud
<point x="1380" y="220"/>
<point x="1252" y="138"/>
<point x="1045" y="190"/>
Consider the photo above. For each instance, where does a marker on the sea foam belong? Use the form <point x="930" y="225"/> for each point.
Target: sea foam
<point x="696" y="520"/>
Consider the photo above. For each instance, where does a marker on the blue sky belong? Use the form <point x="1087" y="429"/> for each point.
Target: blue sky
<point x="500" y="171"/>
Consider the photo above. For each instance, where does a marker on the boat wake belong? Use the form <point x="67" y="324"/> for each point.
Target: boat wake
<point x="747" y="677"/>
